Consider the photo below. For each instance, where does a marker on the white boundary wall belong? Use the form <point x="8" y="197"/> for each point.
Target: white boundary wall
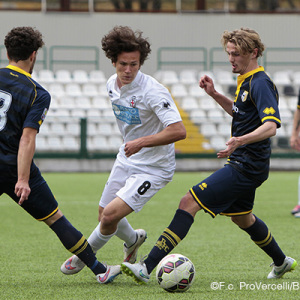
<point x="105" y="165"/>
<point x="163" y="30"/>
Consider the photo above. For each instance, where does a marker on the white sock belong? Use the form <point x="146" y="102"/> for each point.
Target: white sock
<point x="126" y="233"/>
<point x="98" y="240"/>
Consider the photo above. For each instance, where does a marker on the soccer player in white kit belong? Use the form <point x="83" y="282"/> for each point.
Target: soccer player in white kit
<point x="150" y="123"/>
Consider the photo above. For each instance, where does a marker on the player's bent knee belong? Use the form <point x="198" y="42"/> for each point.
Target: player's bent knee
<point x="188" y="204"/>
<point x="109" y="220"/>
<point x="243" y="221"/>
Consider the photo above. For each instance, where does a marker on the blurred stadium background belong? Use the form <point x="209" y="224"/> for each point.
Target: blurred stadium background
<point x="80" y="132"/>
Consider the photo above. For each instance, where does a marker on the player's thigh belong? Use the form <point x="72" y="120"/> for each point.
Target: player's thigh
<point x="140" y="188"/>
<point x="221" y="190"/>
<point x="41" y="203"/>
<point x="115" y="182"/>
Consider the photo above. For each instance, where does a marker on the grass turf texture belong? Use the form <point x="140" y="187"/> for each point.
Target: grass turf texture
<point x="31" y="254"/>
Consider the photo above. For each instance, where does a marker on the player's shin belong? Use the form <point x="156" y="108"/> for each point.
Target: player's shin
<point x="263" y="238"/>
<point x="98" y="240"/>
<point x="75" y="242"/>
<point x="170" y="238"/>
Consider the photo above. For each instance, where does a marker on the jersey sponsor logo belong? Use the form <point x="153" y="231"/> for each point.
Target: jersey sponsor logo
<point x="244" y="96"/>
<point x="236" y="110"/>
<point x="269" y="111"/>
<point x="129" y="115"/>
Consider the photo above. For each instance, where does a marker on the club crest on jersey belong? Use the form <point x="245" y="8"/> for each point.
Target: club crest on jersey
<point x="133" y="101"/>
<point x="244" y="96"/>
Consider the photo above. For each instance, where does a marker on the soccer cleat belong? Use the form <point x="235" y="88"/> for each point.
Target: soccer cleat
<point x="111" y="273"/>
<point x="288" y="265"/>
<point x="130" y="253"/>
<point x="296" y="209"/>
<point x="297" y="215"/>
<point x="72" y="265"/>
<point x="137" y="271"/>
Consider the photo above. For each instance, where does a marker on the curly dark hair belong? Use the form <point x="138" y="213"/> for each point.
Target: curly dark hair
<point x="20" y="42"/>
<point x="124" y="39"/>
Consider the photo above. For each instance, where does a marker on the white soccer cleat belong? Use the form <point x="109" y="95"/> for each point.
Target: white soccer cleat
<point x="297" y="215"/>
<point x="72" y="265"/>
<point x="288" y="265"/>
<point x="111" y="273"/>
<point x="137" y="271"/>
<point x="130" y="253"/>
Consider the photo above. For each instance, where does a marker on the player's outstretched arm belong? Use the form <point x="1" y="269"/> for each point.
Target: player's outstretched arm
<point x="207" y="84"/>
<point x="266" y="130"/>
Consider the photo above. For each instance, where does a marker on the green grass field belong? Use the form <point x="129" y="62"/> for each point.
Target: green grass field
<point x="31" y="254"/>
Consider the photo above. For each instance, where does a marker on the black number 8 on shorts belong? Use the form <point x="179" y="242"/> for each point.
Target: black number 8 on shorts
<point x="144" y="187"/>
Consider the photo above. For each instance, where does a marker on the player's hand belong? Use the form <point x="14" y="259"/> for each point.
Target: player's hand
<point x="295" y="143"/>
<point x="232" y="144"/>
<point x="207" y="84"/>
<point x="22" y="190"/>
<point x="132" y="147"/>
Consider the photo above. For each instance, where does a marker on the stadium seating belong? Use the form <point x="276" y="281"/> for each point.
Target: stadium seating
<point x="80" y="94"/>
<point x="188" y="76"/>
<point x="45" y="76"/>
<point x="63" y="76"/>
<point x="80" y="76"/>
<point x="97" y="76"/>
<point x="179" y="90"/>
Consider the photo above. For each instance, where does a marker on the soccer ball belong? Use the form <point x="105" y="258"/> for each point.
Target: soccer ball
<point x="175" y="273"/>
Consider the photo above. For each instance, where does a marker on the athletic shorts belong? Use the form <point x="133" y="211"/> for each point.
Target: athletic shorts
<point x="132" y="185"/>
<point x="41" y="203"/>
<point x="226" y="192"/>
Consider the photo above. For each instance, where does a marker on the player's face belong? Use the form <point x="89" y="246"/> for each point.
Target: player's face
<point x="241" y="63"/>
<point x="127" y="67"/>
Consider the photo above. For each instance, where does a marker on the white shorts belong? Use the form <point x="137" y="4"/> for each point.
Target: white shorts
<point x="132" y="186"/>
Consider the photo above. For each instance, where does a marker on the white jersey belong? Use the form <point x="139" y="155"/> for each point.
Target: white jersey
<point x="144" y="107"/>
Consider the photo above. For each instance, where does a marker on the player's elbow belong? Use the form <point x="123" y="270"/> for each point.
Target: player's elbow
<point x="272" y="131"/>
<point x="182" y="134"/>
<point x="181" y="131"/>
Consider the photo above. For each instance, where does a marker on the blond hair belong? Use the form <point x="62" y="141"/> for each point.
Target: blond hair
<point x="245" y="40"/>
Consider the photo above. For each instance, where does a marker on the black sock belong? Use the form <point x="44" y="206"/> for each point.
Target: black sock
<point x="75" y="242"/>
<point x="169" y="239"/>
<point x="262" y="237"/>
